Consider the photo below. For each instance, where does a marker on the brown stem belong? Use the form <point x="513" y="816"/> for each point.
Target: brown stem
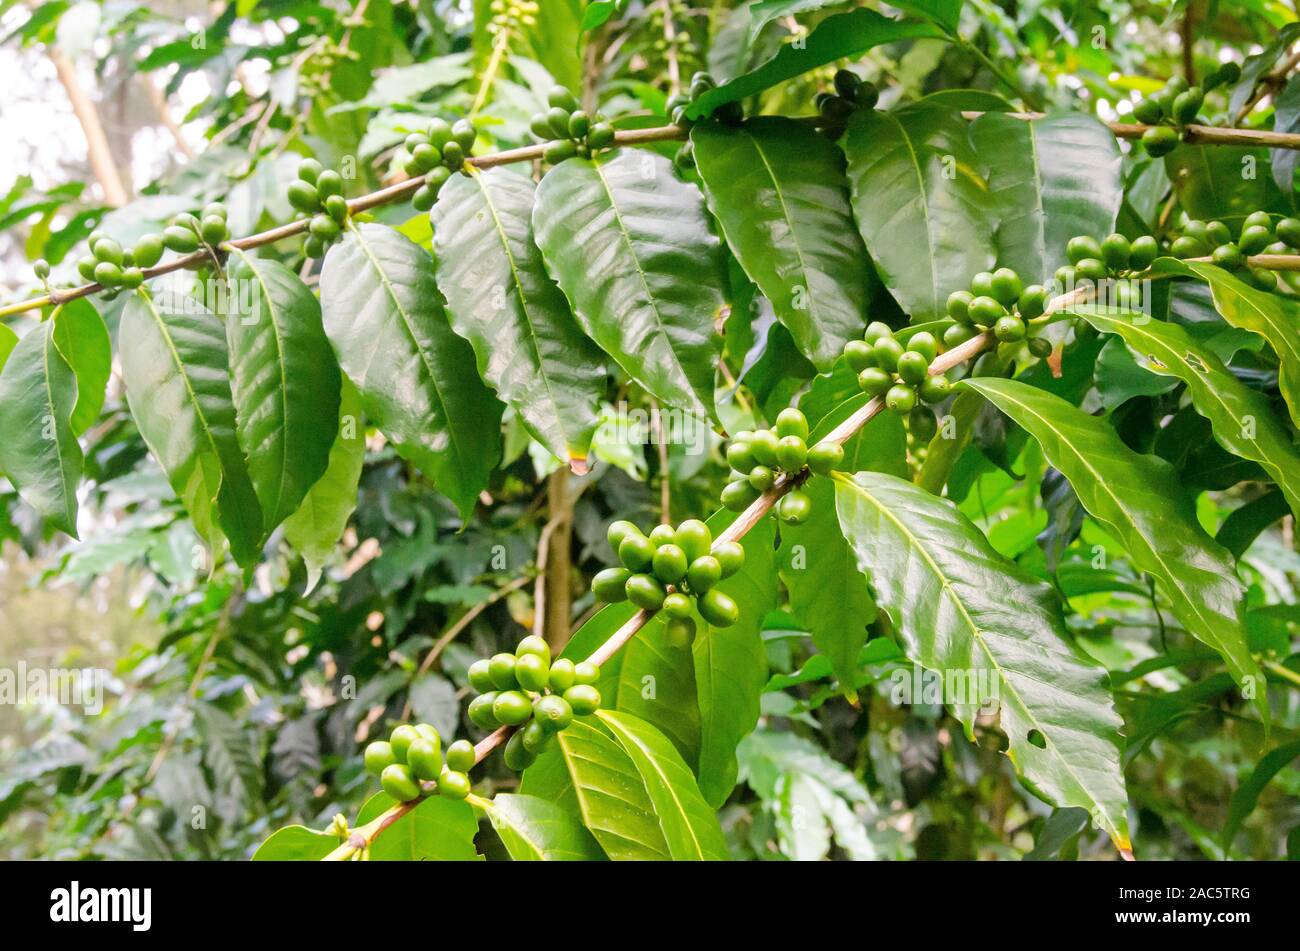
<point x="556" y="611"/>
<point x="97" y="149"/>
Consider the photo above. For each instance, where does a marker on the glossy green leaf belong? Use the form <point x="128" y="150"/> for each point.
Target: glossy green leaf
<point x="8" y="340"/>
<point x="689" y="825"/>
<point x="629" y="243"/>
<point x="318" y="524"/>
<point x="656" y="682"/>
<point x="534" y="830"/>
<point x="829" y="593"/>
<point x="83" y="340"/>
<point x="963" y="610"/>
<point x="731" y="662"/>
<point x="1213" y="182"/>
<point x="285" y="382"/>
<point x="1246" y="796"/>
<point x="384" y="316"/>
<point x="834" y="38"/>
<point x="1242" y="419"/>
<point x="296" y="844"/>
<point x="599" y="777"/>
<point x="1272" y="316"/>
<point x="500" y="298"/>
<point x="1139" y="499"/>
<point x="921" y="203"/>
<point x="39" y="452"/>
<point x="437" y="830"/>
<point x="176" y="372"/>
<point x="777" y="188"/>
<point x="1051" y="179"/>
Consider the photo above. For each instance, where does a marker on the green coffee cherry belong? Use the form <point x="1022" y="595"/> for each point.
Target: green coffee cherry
<point x="763" y="444"/>
<point x="677" y="605"/>
<point x="874" y="381"/>
<point x="793" y="509"/>
<point x="738" y="495"/>
<point x="399" y="783"/>
<point x="553" y="712"/>
<point x="858" y="355"/>
<point x="912" y="367"/>
<point x="791" y="453"/>
<point x="180" y="240"/>
<point x="517" y="756"/>
<point x="512" y="707"/>
<point x="620" y="530"/>
<point x="1142" y="252"/>
<point x="480" y="676"/>
<point x="1009" y="329"/>
<point x="502" y="669"/>
<point x="304" y="197"/>
<point x="934" y="389"/>
<point x="791" y="422"/>
<point x="825" y="457"/>
<point x="1040" y="347"/>
<point x="453" y="784"/>
<point x="955" y="336"/>
<point x="1093" y="269"/>
<point x="562" y="675"/>
<point x="693" y="537"/>
<point x="1226" y="256"/>
<point x="669" y="563"/>
<point x="585" y="672"/>
<point x="718" y="608"/>
<point x="1254" y="239"/>
<point x="425" y="759"/>
<point x="1159" y="140"/>
<point x="379" y="756"/>
<point x="636" y="552"/>
<point x="1006" y="286"/>
<point x="401" y="739"/>
<point x="532" y="644"/>
<point x="480" y="711"/>
<point x="740" y="456"/>
<point x="583" y="699"/>
<point x="886" y="352"/>
<point x="535" y="737"/>
<point x="900" y="398"/>
<point x="680" y="632"/>
<point x="148" y="251"/>
<point x="533" y="672"/>
<point x="646" y="591"/>
<point x="1187" y="104"/>
<point x="730" y="557"/>
<point x="1115" y="251"/>
<point x="460" y="758"/>
<point x="610" y="585"/>
<point x="309" y="170"/>
<point x="1082" y="246"/>
<point x="959" y="304"/>
<point x="704" y="572"/>
<point x="661" y="535"/>
<point x="985" y="311"/>
<point x="761" y="478"/>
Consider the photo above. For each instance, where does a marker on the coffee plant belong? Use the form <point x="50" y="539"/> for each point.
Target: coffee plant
<point x="630" y="430"/>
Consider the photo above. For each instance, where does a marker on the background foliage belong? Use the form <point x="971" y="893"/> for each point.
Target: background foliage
<point x="240" y="703"/>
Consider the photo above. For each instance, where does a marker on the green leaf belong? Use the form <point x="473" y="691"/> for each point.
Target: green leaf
<point x="1243" y="525"/>
<point x="83" y="340"/>
<point x="500" y="298"/>
<point x="1246" y="796"/>
<point x="1242" y="419"/>
<point x="534" y="830"/>
<point x="763" y="12"/>
<point x="8" y="340"/>
<point x="1272" y="316"/>
<point x="690" y="827"/>
<point x="1051" y="179"/>
<point x="315" y="529"/>
<point x="923" y="207"/>
<point x="384" y="316"/>
<point x="284" y="380"/>
<point x="731" y="662"/>
<point x="778" y="190"/>
<point x="657" y="682"/>
<point x="629" y="243"/>
<point x="1139" y="499"/>
<point x="296" y="844"/>
<point x="38" y="447"/>
<point x="962" y="609"/>
<point x="1210" y="181"/>
<point x="837" y="37"/>
<point x="437" y="830"/>
<point x="829" y="594"/>
<point x="607" y="789"/>
<point x="176" y="373"/>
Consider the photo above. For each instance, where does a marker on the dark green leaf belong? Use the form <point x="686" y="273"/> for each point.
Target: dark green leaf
<point x="922" y="205"/>
<point x="961" y="609"/>
<point x="176" y="373"/>
<point x="384" y="316"/>
<point x="500" y="298"/>
<point x="296" y="844"/>
<point x="1246" y="796"/>
<point x="38" y="447"/>
<point x="629" y="243"/>
<point x="1051" y="179"/>
<point x="284" y="380"/>
<point x="778" y="190"/>
<point x="1141" y="502"/>
<point x="82" y="339"/>
<point x="534" y="830"/>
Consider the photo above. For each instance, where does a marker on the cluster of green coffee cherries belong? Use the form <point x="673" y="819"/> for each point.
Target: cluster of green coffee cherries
<point x="899" y="372"/>
<point x="758" y="458"/>
<point x="851" y="93"/>
<point x="1176" y="105"/>
<point x="511" y="15"/>
<point x="317" y="192"/>
<point x="568" y="130"/>
<point x="731" y="113"/>
<point x="1112" y="256"/>
<point x="1258" y="235"/>
<point x="684" y="559"/>
<point x="118" y="268"/>
<point x="527" y="689"/>
<point x="435" y="154"/>
<point x="413" y="755"/>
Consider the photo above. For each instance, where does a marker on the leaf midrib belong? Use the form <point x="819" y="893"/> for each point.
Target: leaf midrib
<point x="69" y="494"/>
